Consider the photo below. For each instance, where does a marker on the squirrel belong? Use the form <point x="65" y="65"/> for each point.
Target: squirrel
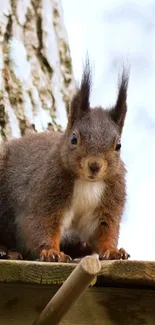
<point x="61" y="187"/>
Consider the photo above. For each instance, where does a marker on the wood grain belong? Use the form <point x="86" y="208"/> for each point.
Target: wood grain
<point x="34" y="272"/>
<point x="128" y="272"/>
<point x="21" y="304"/>
<point x="112" y="272"/>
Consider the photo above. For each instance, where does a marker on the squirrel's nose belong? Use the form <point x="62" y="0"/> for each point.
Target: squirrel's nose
<point x="94" y="167"/>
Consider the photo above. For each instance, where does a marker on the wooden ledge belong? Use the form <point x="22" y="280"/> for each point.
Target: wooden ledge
<point x="127" y="273"/>
<point x="112" y="272"/>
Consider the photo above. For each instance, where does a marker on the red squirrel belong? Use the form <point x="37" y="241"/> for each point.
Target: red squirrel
<point x="59" y="187"/>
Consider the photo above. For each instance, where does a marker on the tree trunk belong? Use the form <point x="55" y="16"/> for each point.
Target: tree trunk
<point x="36" y="79"/>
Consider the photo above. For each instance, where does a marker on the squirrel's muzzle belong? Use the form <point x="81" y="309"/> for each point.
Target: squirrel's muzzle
<point x="94" y="167"/>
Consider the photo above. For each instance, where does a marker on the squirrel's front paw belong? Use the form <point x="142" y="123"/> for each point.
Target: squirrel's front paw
<point x="114" y="254"/>
<point x="51" y="255"/>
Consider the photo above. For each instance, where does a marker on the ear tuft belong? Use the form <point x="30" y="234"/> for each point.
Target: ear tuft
<point x="118" y="112"/>
<point x="81" y="100"/>
<point x="85" y="87"/>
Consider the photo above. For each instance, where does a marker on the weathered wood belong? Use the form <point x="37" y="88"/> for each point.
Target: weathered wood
<point x="23" y="293"/>
<point x="128" y="272"/>
<point x="121" y="272"/>
<point x="34" y="272"/>
<point x="21" y="304"/>
<point x="70" y="291"/>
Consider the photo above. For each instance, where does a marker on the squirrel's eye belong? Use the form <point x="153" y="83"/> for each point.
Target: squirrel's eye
<point x="74" y="139"/>
<point x="118" y="145"/>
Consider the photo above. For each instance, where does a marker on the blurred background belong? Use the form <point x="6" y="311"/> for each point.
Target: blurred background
<point x="116" y="33"/>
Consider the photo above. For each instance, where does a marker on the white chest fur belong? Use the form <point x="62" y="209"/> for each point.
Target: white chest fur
<point x="80" y="215"/>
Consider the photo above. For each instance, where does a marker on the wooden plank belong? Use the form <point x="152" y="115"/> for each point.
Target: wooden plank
<point x="21" y="304"/>
<point x="113" y="306"/>
<point x="112" y="272"/>
<point x="34" y="272"/>
<point x="135" y="273"/>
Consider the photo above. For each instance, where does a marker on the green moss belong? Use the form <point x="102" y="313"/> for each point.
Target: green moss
<point x="55" y="13"/>
<point x="29" y="15"/>
<point x="2" y="120"/>
<point x="13" y="5"/>
<point x="16" y="96"/>
<point x="65" y="58"/>
<point x="58" y="126"/>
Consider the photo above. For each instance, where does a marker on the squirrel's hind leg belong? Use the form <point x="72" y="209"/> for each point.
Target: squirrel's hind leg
<point x="14" y="255"/>
<point x="5" y="254"/>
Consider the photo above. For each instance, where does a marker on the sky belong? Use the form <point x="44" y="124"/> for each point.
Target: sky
<point x="114" y="33"/>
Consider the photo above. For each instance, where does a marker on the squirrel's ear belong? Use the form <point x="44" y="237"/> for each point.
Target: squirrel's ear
<point x="80" y="102"/>
<point x="118" y="112"/>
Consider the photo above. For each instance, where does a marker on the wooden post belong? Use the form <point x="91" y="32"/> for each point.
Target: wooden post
<point x="70" y="291"/>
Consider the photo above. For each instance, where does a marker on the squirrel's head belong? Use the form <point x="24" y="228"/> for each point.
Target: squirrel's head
<point x="92" y="141"/>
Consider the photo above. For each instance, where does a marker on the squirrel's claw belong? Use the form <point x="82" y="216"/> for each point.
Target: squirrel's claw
<point x="51" y="255"/>
<point x="114" y="254"/>
<point x="124" y="254"/>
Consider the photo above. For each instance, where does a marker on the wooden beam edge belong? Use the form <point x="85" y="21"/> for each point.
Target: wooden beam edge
<point x="128" y="272"/>
<point x="56" y="273"/>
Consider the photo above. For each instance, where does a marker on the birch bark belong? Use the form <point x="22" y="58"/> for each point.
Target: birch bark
<point x="36" y="79"/>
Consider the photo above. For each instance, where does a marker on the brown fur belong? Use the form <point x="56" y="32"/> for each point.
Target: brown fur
<point x="40" y="173"/>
